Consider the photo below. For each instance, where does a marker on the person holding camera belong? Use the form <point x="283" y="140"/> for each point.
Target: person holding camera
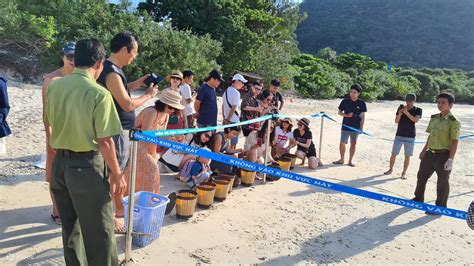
<point x="406" y="118"/>
<point x="124" y="49"/>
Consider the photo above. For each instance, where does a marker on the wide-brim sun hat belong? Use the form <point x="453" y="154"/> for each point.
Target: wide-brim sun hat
<point x="175" y="74"/>
<point x="288" y="120"/>
<point x="171" y="98"/>
<point x="304" y="121"/>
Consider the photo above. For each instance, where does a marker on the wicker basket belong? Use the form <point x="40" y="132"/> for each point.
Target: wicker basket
<point x="205" y="194"/>
<point x="222" y="188"/>
<point x="271" y="178"/>
<point x="285" y="164"/>
<point x="229" y="177"/>
<point x="292" y="157"/>
<point x="247" y="177"/>
<point x="185" y="203"/>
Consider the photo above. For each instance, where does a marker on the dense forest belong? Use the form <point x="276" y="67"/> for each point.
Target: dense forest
<point x="413" y="33"/>
<point x="259" y="36"/>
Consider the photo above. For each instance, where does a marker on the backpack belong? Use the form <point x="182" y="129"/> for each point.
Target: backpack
<point x="185" y="172"/>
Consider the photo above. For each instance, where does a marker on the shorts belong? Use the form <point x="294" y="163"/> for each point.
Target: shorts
<point x="407" y="143"/>
<point x="345" y="134"/>
<point x="122" y="148"/>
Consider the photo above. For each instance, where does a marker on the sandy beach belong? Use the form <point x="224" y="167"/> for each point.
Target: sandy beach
<point x="284" y="222"/>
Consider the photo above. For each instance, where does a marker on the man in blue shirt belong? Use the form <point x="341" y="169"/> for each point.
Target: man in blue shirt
<point x="353" y="110"/>
<point x="206" y="100"/>
<point x="4" y="109"/>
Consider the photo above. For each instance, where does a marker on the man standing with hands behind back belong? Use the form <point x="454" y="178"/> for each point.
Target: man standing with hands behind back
<point x="83" y="119"/>
<point x="439" y="151"/>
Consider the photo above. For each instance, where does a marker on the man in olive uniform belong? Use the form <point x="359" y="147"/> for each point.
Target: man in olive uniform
<point x="439" y="151"/>
<point x="83" y="120"/>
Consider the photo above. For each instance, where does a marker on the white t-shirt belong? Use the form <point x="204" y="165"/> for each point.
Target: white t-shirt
<point x="232" y="97"/>
<point x="281" y="138"/>
<point x="185" y="92"/>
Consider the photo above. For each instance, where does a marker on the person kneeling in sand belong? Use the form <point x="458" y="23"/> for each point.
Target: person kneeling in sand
<point x="254" y="146"/>
<point x="303" y="139"/>
<point x="195" y="172"/>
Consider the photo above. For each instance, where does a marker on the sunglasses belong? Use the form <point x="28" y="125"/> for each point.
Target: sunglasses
<point x="257" y="88"/>
<point x="268" y="99"/>
<point x="176" y="78"/>
<point x="171" y="108"/>
<point x="69" y="57"/>
<point x="300" y="125"/>
<point x="207" y="136"/>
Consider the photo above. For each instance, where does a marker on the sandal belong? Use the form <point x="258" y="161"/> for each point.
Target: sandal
<point x="171" y="204"/>
<point x="351" y="164"/>
<point x="338" y="162"/>
<point x="56" y="219"/>
<point x="389" y="172"/>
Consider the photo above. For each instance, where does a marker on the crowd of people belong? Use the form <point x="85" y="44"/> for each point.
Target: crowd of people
<point x="89" y="110"/>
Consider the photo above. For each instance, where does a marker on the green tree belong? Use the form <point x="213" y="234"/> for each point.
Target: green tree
<point x="246" y="28"/>
<point x="327" y="54"/>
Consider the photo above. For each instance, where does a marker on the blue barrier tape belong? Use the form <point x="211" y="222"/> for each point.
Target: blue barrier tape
<point x="370" y="135"/>
<point x="170" y="132"/>
<point x="301" y="178"/>
<point x="298" y="116"/>
<point x="352" y="128"/>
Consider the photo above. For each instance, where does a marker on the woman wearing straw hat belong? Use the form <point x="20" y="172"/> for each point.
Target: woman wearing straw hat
<point x="283" y="137"/>
<point x="151" y="118"/>
<point x="303" y="139"/>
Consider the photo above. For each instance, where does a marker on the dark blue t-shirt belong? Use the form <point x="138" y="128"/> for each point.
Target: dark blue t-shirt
<point x="208" y="111"/>
<point x="126" y="118"/>
<point x="357" y="107"/>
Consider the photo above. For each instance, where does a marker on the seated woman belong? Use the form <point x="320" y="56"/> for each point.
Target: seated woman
<point x="220" y="143"/>
<point x="254" y="146"/>
<point x="147" y="172"/>
<point x="282" y="139"/>
<point x="303" y="139"/>
<point x="171" y="161"/>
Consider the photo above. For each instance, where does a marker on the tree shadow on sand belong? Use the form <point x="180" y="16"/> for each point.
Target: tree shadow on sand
<point x="36" y="228"/>
<point x="361" y="236"/>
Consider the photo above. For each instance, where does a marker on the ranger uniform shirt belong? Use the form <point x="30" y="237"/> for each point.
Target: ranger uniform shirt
<point x="443" y="131"/>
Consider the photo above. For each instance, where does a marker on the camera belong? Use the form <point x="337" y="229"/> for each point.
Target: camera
<point x="401" y="106"/>
<point x="152" y="78"/>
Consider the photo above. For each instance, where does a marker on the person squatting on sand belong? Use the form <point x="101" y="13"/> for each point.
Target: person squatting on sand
<point x="353" y="110"/>
<point x="439" y="151"/>
<point x="406" y="118"/>
<point x="303" y="139"/>
<point x="83" y="121"/>
<point x="66" y="64"/>
<point x="172" y="160"/>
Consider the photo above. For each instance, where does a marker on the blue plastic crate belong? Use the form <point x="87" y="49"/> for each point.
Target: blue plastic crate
<point x="148" y="216"/>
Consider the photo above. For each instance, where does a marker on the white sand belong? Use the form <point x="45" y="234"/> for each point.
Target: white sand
<point x="278" y="223"/>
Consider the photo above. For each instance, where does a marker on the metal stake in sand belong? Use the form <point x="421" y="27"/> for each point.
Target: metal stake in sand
<point x="267" y="140"/>
<point x="321" y="135"/>
<point x="131" y="198"/>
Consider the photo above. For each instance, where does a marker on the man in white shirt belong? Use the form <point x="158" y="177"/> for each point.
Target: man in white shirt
<point x="231" y="103"/>
<point x="187" y="98"/>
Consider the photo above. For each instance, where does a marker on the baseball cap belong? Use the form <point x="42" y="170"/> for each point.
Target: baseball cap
<point x="215" y="74"/>
<point x="275" y="83"/>
<point x="239" y="77"/>
<point x="410" y="97"/>
<point x="69" y="48"/>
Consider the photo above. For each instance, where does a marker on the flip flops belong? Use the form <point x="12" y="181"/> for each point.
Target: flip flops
<point x="338" y="162"/>
<point x="56" y="219"/>
<point x="351" y="164"/>
<point x="171" y="204"/>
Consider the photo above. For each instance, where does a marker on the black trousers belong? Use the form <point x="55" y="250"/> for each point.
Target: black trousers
<point x="433" y="162"/>
<point x="81" y="191"/>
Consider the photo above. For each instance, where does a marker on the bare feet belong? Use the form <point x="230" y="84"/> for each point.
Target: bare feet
<point x="119" y="226"/>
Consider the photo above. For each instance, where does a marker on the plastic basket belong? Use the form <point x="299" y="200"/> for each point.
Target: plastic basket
<point x="148" y="216"/>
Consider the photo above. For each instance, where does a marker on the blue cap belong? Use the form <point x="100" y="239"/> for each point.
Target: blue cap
<point x="69" y="48"/>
